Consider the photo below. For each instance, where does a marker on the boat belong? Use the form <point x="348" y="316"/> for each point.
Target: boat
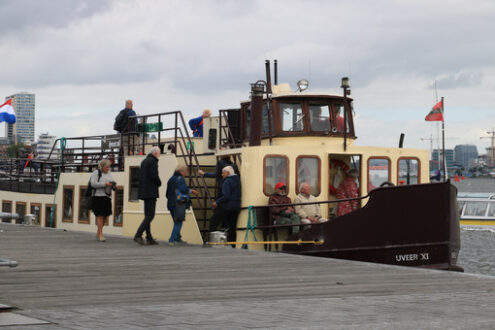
<point x="477" y="210"/>
<point x="277" y="135"/>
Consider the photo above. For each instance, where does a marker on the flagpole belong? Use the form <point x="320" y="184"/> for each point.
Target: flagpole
<point x="444" y="158"/>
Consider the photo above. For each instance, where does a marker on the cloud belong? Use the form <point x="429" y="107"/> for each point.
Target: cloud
<point x="458" y="80"/>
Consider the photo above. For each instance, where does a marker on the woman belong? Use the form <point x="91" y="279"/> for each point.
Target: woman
<point x="102" y="184"/>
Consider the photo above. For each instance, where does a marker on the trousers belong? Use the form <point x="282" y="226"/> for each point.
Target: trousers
<point x="149" y="214"/>
<point x="230" y="217"/>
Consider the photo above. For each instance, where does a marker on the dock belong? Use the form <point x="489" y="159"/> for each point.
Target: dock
<point x="68" y="280"/>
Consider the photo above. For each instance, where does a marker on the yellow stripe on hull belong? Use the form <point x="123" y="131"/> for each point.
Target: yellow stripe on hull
<point x="478" y="222"/>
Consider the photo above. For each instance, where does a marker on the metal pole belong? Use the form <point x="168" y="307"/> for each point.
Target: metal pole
<point x="345" y="118"/>
<point x="444" y="158"/>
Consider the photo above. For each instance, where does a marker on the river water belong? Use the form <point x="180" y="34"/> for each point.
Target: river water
<point x="477" y="253"/>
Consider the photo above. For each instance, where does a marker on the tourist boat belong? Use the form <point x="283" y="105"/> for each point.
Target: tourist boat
<point x="278" y="135"/>
<point x="477" y="209"/>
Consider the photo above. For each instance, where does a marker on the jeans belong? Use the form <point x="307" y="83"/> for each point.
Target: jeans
<point x="149" y="214"/>
<point x="179" y="215"/>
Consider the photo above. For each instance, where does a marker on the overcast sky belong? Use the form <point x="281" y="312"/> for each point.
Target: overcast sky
<point x="82" y="59"/>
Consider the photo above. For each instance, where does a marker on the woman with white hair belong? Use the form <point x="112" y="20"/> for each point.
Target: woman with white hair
<point x="228" y="205"/>
<point x="101" y="201"/>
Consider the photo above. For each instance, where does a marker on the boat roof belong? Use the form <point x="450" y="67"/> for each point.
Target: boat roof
<point x="480" y="195"/>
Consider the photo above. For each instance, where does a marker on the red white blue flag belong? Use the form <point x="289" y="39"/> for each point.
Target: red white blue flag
<point x="7" y="113"/>
<point x="436" y="113"/>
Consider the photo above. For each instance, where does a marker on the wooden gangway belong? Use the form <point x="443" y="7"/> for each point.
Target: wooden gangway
<point x="71" y="281"/>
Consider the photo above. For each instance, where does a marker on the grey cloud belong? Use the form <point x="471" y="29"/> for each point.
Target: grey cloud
<point x="458" y="80"/>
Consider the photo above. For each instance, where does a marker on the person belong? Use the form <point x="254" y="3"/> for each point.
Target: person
<point x="102" y="184"/>
<point x="149" y="181"/>
<point x="196" y="124"/>
<point x="310" y="213"/>
<point x="178" y="201"/>
<point x="228" y="205"/>
<point x="222" y="162"/>
<point x="283" y="215"/>
<point x="348" y="189"/>
<point x="26" y="155"/>
<point x="125" y="125"/>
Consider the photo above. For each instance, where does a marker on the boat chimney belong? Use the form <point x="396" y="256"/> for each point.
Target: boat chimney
<point x="257" y="90"/>
<point x="401" y="140"/>
<point x="268" y="77"/>
<point x="275" y="74"/>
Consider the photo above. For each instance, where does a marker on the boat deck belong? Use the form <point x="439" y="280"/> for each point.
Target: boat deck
<point x="70" y="281"/>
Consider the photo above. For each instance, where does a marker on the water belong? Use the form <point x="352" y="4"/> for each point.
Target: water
<point x="477" y="253"/>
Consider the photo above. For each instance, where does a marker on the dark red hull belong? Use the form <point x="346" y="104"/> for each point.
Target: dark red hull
<point x="414" y="225"/>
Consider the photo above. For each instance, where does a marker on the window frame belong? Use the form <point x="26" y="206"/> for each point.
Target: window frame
<point x="46" y="214"/>
<point x="368" y="169"/>
<point x="25" y="209"/>
<point x="9" y="202"/>
<point x="115" y="206"/>
<point x="305" y="120"/>
<point x="319" y="172"/>
<point x="410" y="158"/>
<point x="81" y="195"/>
<point x="64" y="219"/>
<point x="130" y="185"/>
<point x="287" y="184"/>
<point x="41" y="211"/>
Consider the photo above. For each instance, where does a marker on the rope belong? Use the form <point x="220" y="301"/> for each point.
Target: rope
<point x="63" y="144"/>
<point x="267" y="242"/>
<point x="251" y="225"/>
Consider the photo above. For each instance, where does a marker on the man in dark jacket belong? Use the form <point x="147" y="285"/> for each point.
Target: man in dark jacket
<point x="149" y="181"/>
<point x="222" y="162"/>
<point x="283" y="215"/>
<point x="228" y="205"/>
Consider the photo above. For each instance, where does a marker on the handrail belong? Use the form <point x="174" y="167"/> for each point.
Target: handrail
<point x="310" y="203"/>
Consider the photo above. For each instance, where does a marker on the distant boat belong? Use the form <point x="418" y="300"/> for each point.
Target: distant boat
<point x="476" y="209"/>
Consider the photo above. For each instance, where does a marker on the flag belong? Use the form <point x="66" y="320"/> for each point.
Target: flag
<point x="7" y="112"/>
<point x="436" y="113"/>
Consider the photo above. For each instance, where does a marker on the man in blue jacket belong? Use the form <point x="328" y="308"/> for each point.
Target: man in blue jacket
<point x="196" y="124"/>
<point x="178" y="201"/>
<point x="228" y="205"/>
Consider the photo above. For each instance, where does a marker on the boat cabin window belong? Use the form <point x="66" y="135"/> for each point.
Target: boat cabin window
<point x="408" y="171"/>
<point x="378" y="172"/>
<point x="7" y="208"/>
<point x="119" y="206"/>
<point x="275" y="170"/>
<point x="133" y="184"/>
<point x="20" y="208"/>
<point x="291" y="117"/>
<point x="319" y="117"/>
<point x="68" y="203"/>
<point x="83" y="216"/>
<point x="491" y="210"/>
<point x="36" y="211"/>
<point x="308" y="171"/>
<point x="339" y="118"/>
<point x="476" y="209"/>
<point x="49" y="221"/>
<point x="265" y="130"/>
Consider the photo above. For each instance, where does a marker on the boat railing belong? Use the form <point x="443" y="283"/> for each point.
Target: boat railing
<point x="27" y="175"/>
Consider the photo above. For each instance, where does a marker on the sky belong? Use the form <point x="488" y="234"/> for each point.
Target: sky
<point x="84" y="58"/>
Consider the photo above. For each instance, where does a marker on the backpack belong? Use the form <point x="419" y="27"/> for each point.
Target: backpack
<point x="87" y="199"/>
<point x="121" y="121"/>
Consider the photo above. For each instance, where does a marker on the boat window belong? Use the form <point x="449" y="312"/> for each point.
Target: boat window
<point x="378" y="172"/>
<point x="319" y="116"/>
<point x="291" y="117"/>
<point x="36" y="211"/>
<point x="339" y="118"/>
<point x="134" y="184"/>
<point x="7" y="208"/>
<point x="408" y="171"/>
<point x="20" y="208"/>
<point x="491" y="210"/>
<point x="460" y="205"/>
<point x="308" y="171"/>
<point x="264" y="121"/>
<point x="119" y="206"/>
<point x="83" y="210"/>
<point x="477" y="209"/>
<point x="68" y="203"/>
<point x="49" y="222"/>
<point x="275" y="170"/>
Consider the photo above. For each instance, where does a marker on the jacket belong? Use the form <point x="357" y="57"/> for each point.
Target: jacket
<point x="231" y="193"/>
<point x="278" y="199"/>
<point x="176" y="186"/>
<point x="149" y="181"/>
<point x="196" y="124"/>
<point x="304" y="211"/>
<point x="131" y="123"/>
<point x="218" y="173"/>
<point x="98" y="185"/>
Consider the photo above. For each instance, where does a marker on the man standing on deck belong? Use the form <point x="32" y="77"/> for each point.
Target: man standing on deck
<point x="149" y="181"/>
<point x="196" y="124"/>
<point x="126" y="125"/>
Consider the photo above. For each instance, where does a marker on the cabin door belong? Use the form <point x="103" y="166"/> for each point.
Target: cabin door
<point x="339" y="167"/>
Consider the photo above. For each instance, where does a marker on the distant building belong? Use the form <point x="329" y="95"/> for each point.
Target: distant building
<point x="437" y="158"/>
<point x="45" y="145"/>
<point x="23" y="104"/>
<point x="464" y="153"/>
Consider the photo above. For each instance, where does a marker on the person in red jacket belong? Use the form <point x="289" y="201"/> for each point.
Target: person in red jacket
<point x="348" y="189"/>
<point x="283" y="215"/>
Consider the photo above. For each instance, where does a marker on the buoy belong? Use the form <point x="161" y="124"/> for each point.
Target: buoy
<point x="456" y="179"/>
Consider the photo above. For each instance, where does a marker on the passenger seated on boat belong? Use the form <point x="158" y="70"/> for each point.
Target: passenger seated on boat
<point x="196" y="124"/>
<point x="283" y="215"/>
<point x="310" y="213"/>
<point x="348" y="189"/>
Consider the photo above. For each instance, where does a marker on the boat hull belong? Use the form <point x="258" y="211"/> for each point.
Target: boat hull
<point x="414" y="225"/>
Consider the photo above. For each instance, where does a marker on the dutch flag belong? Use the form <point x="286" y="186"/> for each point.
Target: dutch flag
<point x="7" y="113"/>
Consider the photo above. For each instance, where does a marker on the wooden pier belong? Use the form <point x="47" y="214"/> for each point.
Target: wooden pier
<point x="68" y="280"/>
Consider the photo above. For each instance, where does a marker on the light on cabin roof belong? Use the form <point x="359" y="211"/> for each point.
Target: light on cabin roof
<point x="345" y="82"/>
<point x="302" y="85"/>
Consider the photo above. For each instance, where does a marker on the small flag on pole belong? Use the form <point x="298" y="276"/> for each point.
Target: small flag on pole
<point x="436" y="113"/>
<point x="7" y="113"/>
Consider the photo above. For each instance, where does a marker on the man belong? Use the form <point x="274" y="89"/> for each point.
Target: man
<point x="149" y="181"/>
<point x="283" y="215"/>
<point x="125" y="125"/>
<point x="348" y="189"/>
<point x="310" y="213"/>
<point x="178" y="201"/>
<point x="196" y="124"/>
<point x="26" y="155"/>
<point x="222" y="162"/>
<point x="228" y="205"/>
